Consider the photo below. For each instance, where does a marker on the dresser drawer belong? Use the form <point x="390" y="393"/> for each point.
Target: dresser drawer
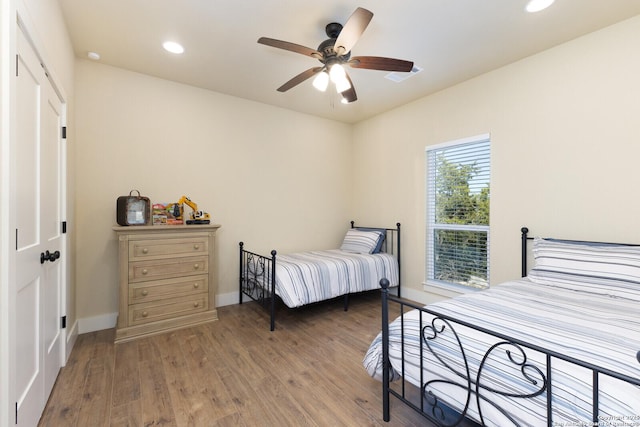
<point x="140" y="271"/>
<point x="167" y="288"/>
<point x="166" y="309"/>
<point x="167" y="248"/>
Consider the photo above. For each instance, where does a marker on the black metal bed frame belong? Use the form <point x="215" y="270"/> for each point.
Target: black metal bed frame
<point x="437" y="411"/>
<point x="256" y="270"/>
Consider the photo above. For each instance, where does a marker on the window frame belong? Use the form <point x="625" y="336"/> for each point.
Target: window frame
<point x="431" y="284"/>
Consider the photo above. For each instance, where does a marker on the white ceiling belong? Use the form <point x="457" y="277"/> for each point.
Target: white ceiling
<point x="452" y="40"/>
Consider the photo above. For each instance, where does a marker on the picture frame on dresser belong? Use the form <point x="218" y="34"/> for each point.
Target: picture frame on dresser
<point x="167" y="278"/>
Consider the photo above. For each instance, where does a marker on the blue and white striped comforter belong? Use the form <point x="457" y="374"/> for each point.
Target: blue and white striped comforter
<point x="307" y="277"/>
<point x="596" y="326"/>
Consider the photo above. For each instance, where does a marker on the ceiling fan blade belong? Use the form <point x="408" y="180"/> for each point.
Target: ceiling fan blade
<point x="299" y="78"/>
<point x="352" y="30"/>
<point x="292" y="47"/>
<point x="350" y="94"/>
<point x="380" y="63"/>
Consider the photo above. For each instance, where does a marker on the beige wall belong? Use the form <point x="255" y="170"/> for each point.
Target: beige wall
<point x="565" y="149"/>
<point x="272" y="178"/>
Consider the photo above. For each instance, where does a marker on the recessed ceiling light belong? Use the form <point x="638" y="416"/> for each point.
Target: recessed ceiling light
<point x="173" y="47"/>
<point x="538" y="5"/>
<point x="93" y="55"/>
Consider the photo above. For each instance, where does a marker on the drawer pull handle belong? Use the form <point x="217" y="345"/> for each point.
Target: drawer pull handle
<point x="196" y="304"/>
<point x="145" y="271"/>
<point x="196" y="285"/>
<point x="196" y="246"/>
<point x="145" y="314"/>
<point x="145" y="250"/>
<point x="196" y="266"/>
<point x="145" y="293"/>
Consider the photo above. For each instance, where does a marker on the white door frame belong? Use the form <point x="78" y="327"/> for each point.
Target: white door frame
<point x="8" y="40"/>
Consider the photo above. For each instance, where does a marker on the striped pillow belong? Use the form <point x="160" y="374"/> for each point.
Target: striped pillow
<point x="586" y="264"/>
<point x="382" y="233"/>
<point x="360" y="242"/>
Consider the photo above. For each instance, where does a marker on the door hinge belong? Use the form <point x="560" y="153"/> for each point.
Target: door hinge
<point x="16" y="412"/>
<point x="64" y="322"/>
<point x="64" y="132"/>
<point x="64" y="227"/>
<point x="17" y="62"/>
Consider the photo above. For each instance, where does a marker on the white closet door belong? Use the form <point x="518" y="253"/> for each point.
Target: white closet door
<point x="38" y="212"/>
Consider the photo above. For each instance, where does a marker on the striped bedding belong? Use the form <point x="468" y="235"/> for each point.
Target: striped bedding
<point x="307" y="277"/>
<point x="598" y="324"/>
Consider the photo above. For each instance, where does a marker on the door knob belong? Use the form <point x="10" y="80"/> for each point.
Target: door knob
<point x="48" y="256"/>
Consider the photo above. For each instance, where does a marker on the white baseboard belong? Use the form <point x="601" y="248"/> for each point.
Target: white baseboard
<point x="414" y="295"/>
<point x="227" y="299"/>
<point x="97" y="323"/>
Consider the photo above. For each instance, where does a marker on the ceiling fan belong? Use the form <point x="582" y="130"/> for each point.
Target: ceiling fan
<point x="335" y="52"/>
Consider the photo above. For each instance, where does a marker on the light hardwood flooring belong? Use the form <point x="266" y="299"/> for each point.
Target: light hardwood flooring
<point x="232" y="372"/>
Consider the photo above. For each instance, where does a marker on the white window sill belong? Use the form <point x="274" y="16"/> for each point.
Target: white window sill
<point x="448" y="290"/>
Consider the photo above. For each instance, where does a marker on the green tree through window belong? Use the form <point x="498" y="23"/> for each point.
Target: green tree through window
<point x="458" y="206"/>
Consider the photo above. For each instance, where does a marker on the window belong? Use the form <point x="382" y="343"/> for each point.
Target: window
<point x="458" y="181"/>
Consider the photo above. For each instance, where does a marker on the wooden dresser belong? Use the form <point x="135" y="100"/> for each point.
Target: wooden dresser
<point x="167" y="278"/>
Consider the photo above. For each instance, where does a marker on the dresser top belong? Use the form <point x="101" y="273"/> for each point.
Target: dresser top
<point x="131" y="229"/>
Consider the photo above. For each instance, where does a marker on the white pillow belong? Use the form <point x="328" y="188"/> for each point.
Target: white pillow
<point x="360" y="242"/>
<point x="586" y="266"/>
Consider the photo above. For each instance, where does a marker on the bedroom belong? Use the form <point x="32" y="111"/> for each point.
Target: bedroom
<point x="564" y="139"/>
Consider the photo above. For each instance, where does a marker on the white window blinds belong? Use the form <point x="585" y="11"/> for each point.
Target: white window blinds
<point x="458" y="184"/>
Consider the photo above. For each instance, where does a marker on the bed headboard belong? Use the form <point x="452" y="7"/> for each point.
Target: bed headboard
<point x="390" y="245"/>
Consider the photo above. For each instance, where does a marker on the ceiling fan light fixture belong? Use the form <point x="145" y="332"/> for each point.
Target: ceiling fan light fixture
<point x="337" y="73"/>
<point x="339" y="77"/>
<point x="336" y="51"/>
<point x="538" y="5"/>
<point x="321" y="81"/>
<point x="342" y="85"/>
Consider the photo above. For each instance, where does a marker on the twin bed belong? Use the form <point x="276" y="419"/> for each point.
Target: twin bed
<point x="558" y="347"/>
<point x="366" y="255"/>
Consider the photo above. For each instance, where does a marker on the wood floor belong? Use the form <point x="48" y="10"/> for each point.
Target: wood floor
<point x="232" y="372"/>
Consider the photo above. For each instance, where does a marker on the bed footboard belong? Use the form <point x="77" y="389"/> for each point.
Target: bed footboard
<point x="258" y="279"/>
<point x="532" y="369"/>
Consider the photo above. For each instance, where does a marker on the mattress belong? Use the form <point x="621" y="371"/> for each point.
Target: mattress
<point x="307" y="277"/>
<point x="595" y="324"/>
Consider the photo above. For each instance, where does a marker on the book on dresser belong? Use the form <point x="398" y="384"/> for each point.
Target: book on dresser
<point x="167" y="278"/>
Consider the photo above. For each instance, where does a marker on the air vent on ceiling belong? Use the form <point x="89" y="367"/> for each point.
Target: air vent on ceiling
<point x="398" y="77"/>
